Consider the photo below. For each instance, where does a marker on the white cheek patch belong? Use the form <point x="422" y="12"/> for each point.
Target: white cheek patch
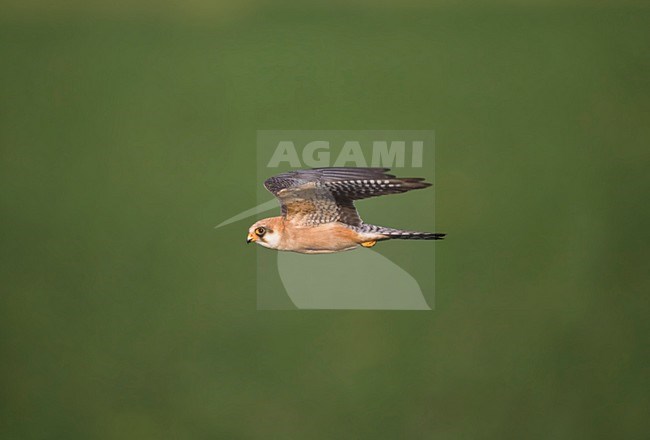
<point x="269" y="240"/>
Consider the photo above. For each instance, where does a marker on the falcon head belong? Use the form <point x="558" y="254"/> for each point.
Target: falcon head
<point x="266" y="232"/>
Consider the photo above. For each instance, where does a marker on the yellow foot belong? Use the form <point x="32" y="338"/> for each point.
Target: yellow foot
<point x="369" y="243"/>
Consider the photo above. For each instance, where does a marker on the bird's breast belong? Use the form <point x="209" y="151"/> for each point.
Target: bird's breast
<point x="326" y="238"/>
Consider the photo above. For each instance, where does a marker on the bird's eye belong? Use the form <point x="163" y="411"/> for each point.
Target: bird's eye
<point x="260" y="231"/>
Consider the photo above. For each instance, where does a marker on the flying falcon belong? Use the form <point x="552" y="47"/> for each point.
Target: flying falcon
<point x="318" y="213"/>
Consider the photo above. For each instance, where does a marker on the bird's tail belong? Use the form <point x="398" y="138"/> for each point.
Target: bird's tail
<point x="400" y="234"/>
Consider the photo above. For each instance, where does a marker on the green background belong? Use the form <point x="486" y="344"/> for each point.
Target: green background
<point x="128" y="130"/>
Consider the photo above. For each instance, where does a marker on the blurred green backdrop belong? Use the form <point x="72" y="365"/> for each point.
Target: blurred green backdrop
<point x="128" y="131"/>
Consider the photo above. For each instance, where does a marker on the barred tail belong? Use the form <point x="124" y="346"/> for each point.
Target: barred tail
<point x="400" y="234"/>
<point x="414" y="235"/>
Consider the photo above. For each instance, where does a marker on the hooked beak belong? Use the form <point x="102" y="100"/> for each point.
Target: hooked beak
<point x="250" y="238"/>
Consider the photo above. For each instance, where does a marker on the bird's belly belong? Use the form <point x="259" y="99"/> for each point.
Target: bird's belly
<point x="322" y="239"/>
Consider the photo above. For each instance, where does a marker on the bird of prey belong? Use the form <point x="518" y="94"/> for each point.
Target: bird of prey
<point x="318" y="213"/>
